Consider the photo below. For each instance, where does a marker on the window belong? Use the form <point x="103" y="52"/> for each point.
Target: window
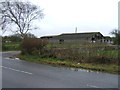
<point x="61" y="41"/>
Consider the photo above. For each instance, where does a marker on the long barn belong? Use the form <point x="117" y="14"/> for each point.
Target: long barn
<point x="79" y="38"/>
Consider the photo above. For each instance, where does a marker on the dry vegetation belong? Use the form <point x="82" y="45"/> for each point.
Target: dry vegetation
<point x="98" y="57"/>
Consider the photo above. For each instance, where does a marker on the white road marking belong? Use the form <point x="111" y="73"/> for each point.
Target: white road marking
<point x="92" y="86"/>
<point x="15" y="70"/>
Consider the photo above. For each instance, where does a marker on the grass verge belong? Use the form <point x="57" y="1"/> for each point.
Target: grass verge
<point x="10" y="46"/>
<point x="109" y="68"/>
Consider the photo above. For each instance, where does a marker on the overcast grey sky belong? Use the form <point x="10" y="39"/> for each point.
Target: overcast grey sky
<point x="62" y="16"/>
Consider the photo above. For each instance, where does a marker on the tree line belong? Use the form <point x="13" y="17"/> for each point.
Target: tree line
<point x="16" y="38"/>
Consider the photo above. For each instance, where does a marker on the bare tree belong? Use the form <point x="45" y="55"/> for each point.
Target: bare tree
<point x="20" y="14"/>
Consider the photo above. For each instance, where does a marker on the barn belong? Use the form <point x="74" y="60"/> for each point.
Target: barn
<point x="78" y="38"/>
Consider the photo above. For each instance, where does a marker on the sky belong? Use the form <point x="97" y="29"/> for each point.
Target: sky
<point x="63" y="16"/>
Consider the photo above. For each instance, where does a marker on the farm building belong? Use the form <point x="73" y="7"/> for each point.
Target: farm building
<point x="79" y="38"/>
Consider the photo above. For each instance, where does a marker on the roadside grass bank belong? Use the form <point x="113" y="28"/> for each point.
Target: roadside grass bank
<point x="107" y="68"/>
<point x="90" y="56"/>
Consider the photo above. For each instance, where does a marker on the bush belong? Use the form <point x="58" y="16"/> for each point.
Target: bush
<point x="4" y="47"/>
<point x="84" y="55"/>
<point x="33" y="46"/>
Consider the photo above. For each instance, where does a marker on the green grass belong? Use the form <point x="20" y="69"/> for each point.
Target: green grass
<point x="11" y="46"/>
<point x="109" y="68"/>
<point x="109" y="53"/>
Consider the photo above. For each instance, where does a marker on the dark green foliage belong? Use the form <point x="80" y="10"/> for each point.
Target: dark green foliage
<point x="4" y="48"/>
<point x="12" y="38"/>
<point x="16" y="38"/>
<point x="29" y="35"/>
<point x="116" y="37"/>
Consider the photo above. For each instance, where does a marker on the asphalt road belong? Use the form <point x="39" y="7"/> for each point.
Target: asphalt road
<point x="22" y="74"/>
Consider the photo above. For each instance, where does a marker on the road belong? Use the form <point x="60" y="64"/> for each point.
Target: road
<point x="22" y="74"/>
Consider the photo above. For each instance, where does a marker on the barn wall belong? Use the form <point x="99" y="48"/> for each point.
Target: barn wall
<point x="70" y="41"/>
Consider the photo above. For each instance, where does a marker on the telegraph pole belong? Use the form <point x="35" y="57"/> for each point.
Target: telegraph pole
<point x="76" y="30"/>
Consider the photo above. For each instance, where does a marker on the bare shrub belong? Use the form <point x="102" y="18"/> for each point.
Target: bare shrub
<point x="94" y="54"/>
<point x="33" y="46"/>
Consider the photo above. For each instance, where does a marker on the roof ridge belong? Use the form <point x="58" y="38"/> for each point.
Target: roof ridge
<point x="79" y="33"/>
